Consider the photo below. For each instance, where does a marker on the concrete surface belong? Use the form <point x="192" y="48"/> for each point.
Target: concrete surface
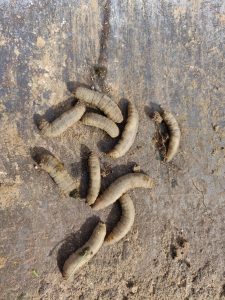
<point x="155" y="52"/>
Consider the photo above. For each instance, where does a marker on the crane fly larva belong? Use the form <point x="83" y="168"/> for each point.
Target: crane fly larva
<point x="129" y="133"/>
<point x="120" y="186"/>
<point x="94" y="178"/>
<point x="174" y="135"/>
<point x="125" y="223"/>
<point x="104" y="123"/>
<point x="63" y="122"/>
<point x="101" y="101"/>
<point x="57" y="171"/>
<point x="86" y="252"/>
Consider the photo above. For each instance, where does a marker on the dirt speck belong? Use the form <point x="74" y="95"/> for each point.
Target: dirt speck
<point x="40" y="42"/>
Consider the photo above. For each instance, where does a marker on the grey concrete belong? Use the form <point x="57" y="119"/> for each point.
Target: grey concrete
<point x="155" y="52"/>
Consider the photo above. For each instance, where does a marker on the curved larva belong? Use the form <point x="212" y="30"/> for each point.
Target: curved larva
<point x="129" y="133"/>
<point x="93" y="119"/>
<point x="94" y="178"/>
<point x="57" y="171"/>
<point x="86" y="252"/>
<point x="125" y="223"/>
<point x="101" y="101"/>
<point x="63" y="122"/>
<point x="120" y="186"/>
<point x="174" y="132"/>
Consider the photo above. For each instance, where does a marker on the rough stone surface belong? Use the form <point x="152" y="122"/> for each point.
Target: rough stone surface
<point x="155" y="52"/>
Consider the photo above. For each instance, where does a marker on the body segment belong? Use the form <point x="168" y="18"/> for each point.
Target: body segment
<point x="174" y="133"/>
<point x="94" y="178"/>
<point x="120" y="186"/>
<point x="63" y="122"/>
<point x="86" y="252"/>
<point x="101" y="101"/>
<point x="96" y="120"/>
<point x="125" y="223"/>
<point x="57" y="171"/>
<point x="129" y="133"/>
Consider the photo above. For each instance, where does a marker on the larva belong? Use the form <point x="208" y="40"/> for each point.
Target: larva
<point x="94" y="178"/>
<point x="125" y="223"/>
<point x="57" y="171"/>
<point x="86" y="252"/>
<point x="94" y="119"/>
<point x="174" y="133"/>
<point x="101" y="101"/>
<point x="129" y="133"/>
<point x="120" y="186"/>
<point x="63" y="122"/>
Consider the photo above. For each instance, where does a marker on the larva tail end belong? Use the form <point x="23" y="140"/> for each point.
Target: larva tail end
<point x="120" y="119"/>
<point x="44" y="124"/>
<point x="157" y="117"/>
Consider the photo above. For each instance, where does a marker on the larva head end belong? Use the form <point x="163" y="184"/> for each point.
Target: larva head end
<point x="97" y="205"/>
<point x="65" y="275"/>
<point x="101" y="227"/>
<point x="94" y="207"/>
<point x="113" y="154"/>
<point x="120" y="119"/>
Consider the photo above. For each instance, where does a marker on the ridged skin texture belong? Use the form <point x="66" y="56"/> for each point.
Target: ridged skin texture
<point x="94" y="178"/>
<point x="125" y="223"/>
<point x="175" y="134"/>
<point x="86" y="252"/>
<point x="57" y="171"/>
<point x="120" y="186"/>
<point x="63" y="122"/>
<point x="101" y="101"/>
<point x="99" y="121"/>
<point x="129" y="133"/>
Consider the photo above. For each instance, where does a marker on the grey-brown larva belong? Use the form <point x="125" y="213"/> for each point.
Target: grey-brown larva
<point x="174" y="133"/>
<point x="125" y="223"/>
<point x="57" y="171"/>
<point x="129" y="133"/>
<point x="94" y="178"/>
<point x="86" y="252"/>
<point x="96" y="120"/>
<point x="63" y="122"/>
<point x="120" y="186"/>
<point x="101" y="101"/>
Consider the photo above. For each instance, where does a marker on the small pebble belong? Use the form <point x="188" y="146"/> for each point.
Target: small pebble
<point x="215" y="127"/>
<point x="136" y="168"/>
<point x="134" y="289"/>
